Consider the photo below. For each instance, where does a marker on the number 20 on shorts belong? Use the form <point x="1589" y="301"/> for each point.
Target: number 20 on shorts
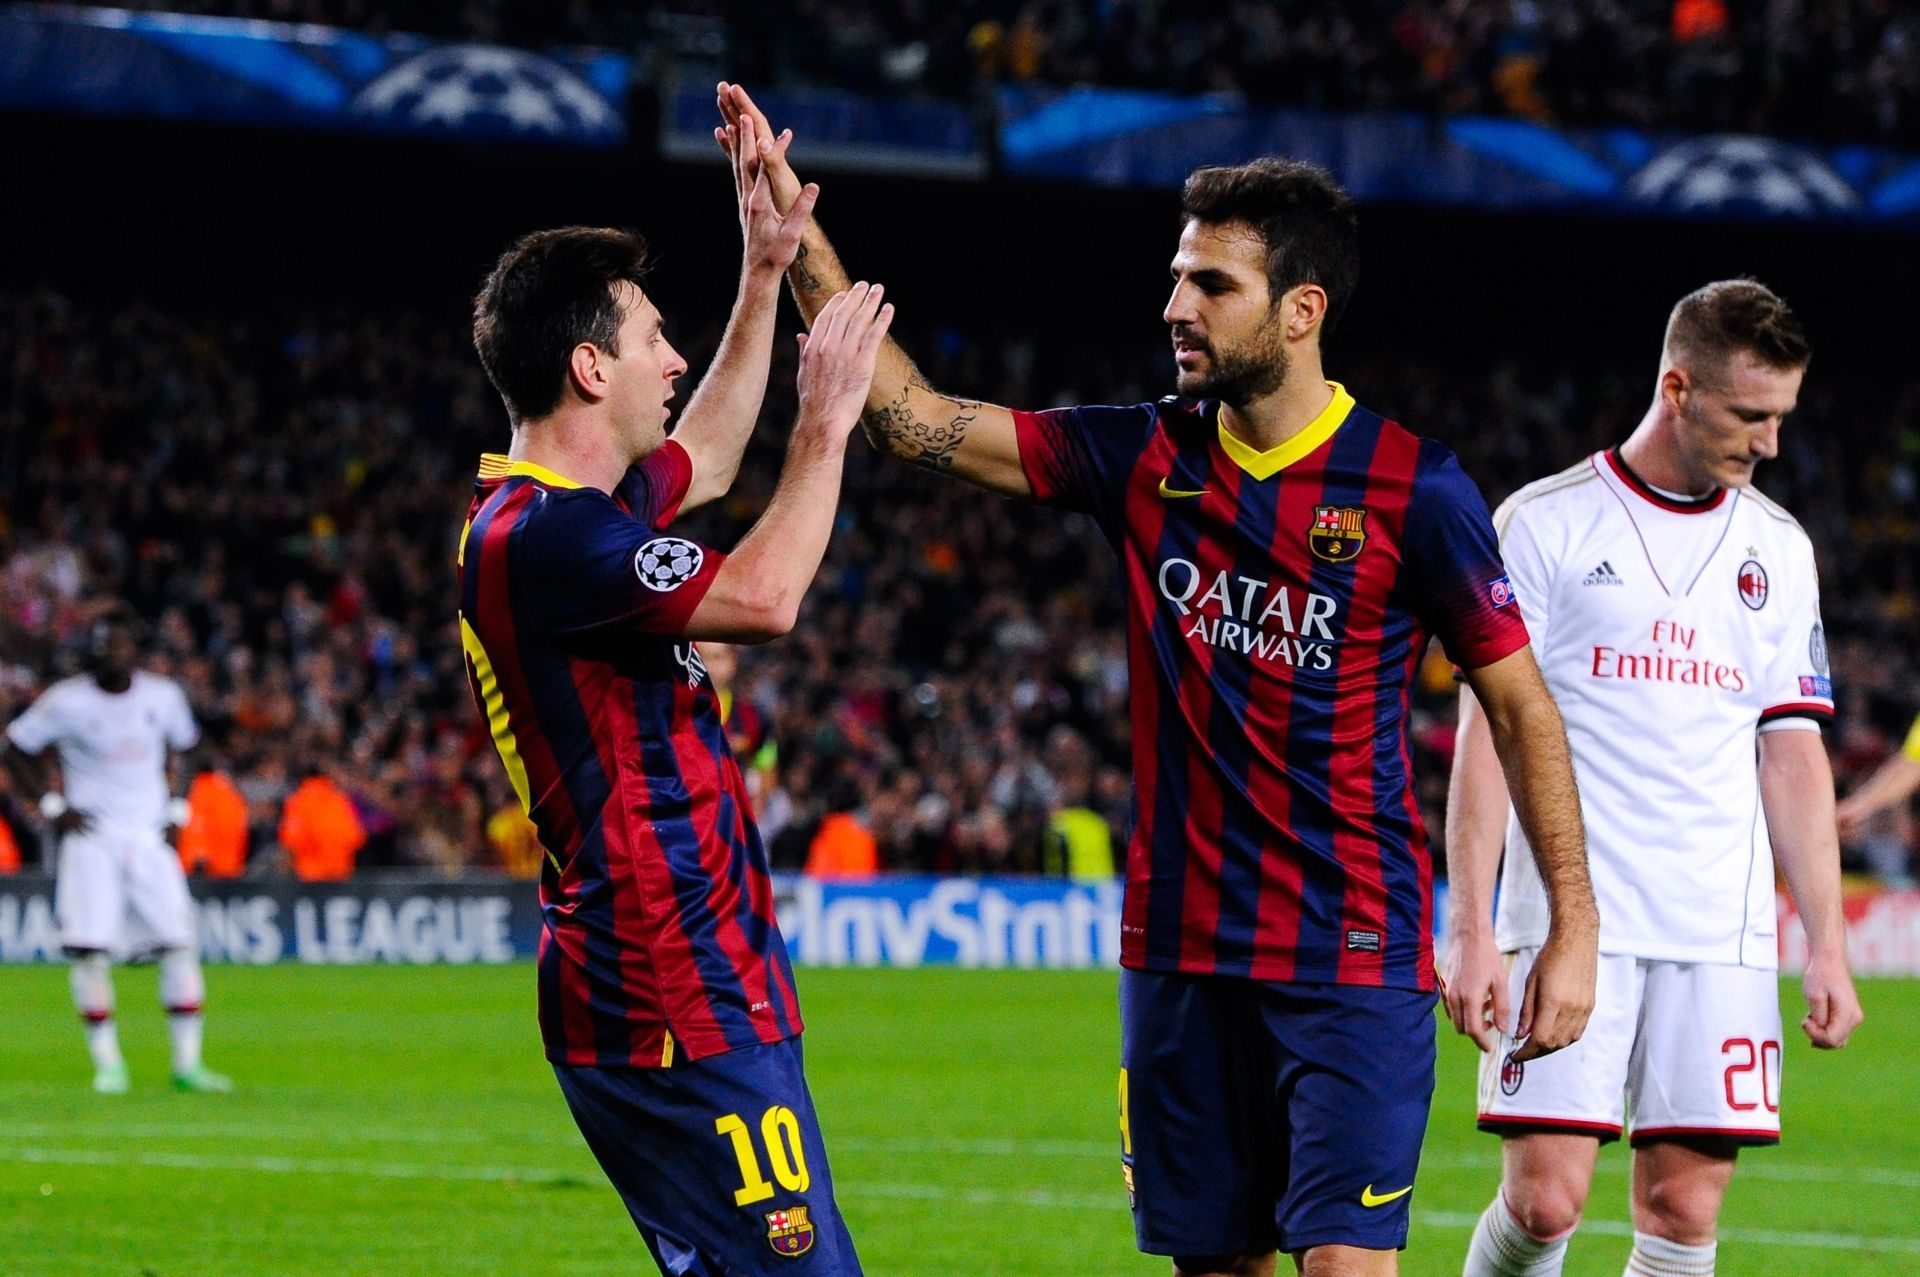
<point x="780" y="1133"/>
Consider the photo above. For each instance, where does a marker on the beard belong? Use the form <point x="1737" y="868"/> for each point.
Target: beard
<point x="1241" y="374"/>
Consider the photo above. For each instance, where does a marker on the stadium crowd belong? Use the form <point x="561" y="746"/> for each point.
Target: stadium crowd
<point x="1836" y="69"/>
<point x="278" y="498"/>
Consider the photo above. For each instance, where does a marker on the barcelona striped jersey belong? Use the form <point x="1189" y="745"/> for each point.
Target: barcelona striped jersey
<point x="1279" y="604"/>
<point x="658" y="926"/>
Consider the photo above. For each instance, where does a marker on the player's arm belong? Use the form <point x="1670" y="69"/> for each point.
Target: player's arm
<point x="1472" y="974"/>
<point x="756" y="594"/>
<point x="1892" y="782"/>
<point x="1529" y="740"/>
<point x="32" y="778"/>
<point x="905" y="416"/>
<point x="719" y="420"/>
<point x="1796" y="792"/>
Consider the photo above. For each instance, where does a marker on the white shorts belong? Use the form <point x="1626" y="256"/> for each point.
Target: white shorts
<point x="1684" y="1048"/>
<point x="122" y="892"/>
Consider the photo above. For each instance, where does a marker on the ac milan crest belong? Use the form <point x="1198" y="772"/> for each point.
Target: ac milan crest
<point x="1512" y="1074"/>
<point x="1752" y="583"/>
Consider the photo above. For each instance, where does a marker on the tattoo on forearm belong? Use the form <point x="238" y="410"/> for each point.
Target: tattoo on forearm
<point x="898" y="430"/>
<point x="804" y="280"/>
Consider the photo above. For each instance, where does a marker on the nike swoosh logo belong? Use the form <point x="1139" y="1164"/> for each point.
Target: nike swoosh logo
<point x="1370" y="1199"/>
<point x="1174" y="493"/>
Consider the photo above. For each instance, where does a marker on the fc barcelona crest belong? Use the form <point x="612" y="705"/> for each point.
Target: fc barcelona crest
<point x="1338" y="534"/>
<point x="789" y="1231"/>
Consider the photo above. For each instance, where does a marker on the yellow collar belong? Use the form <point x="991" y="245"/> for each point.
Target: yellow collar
<point x="1264" y="465"/>
<point x="494" y="465"/>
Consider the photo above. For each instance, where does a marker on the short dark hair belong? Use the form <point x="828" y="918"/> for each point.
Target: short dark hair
<point x="1304" y="217"/>
<point x="548" y="293"/>
<point x="1710" y="325"/>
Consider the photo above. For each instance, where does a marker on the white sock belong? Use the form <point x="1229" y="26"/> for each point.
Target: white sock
<point x="1501" y="1248"/>
<point x="91" y="979"/>
<point x="183" y="1030"/>
<point x="181" y="991"/>
<point x="1657" y="1257"/>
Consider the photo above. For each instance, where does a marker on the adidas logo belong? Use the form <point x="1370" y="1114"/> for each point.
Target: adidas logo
<point x="1602" y="575"/>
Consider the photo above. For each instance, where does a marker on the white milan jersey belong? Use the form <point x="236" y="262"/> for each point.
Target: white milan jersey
<point x="1671" y="633"/>
<point x="112" y="747"/>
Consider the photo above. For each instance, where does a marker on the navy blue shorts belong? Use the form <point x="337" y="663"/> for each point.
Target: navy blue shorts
<point x="1259" y="1116"/>
<point x="719" y="1161"/>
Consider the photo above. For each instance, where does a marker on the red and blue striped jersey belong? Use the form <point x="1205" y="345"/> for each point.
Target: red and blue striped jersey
<point x="659" y="930"/>
<point x="1279" y="604"/>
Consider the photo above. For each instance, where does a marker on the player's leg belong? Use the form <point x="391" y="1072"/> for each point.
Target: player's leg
<point x="1553" y="1115"/>
<point x="1544" y="1183"/>
<point x="1198" y="1148"/>
<point x="89" y="902"/>
<point x="1352" y="1088"/>
<point x="90" y="975"/>
<point x="1260" y="1265"/>
<point x="158" y="898"/>
<point x="719" y="1161"/>
<point x="1678" y="1188"/>
<point x="1705" y="1082"/>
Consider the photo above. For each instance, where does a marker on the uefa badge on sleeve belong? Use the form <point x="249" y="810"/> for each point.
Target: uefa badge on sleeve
<point x="1500" y="592"/>
<point x="789" y="1232"/>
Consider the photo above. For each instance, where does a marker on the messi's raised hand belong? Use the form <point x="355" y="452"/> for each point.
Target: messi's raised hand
<point x="837" y="357"/>
<point x="771" y="237"/>
<point x="737" y="109"/>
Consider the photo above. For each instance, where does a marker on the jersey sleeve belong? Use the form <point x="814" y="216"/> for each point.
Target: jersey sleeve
<point x="182" y="732"/>
<point x="1080" y="458"/>
<point x="1799" y="687"/>
<point x="654" y="489"/>
<point x="594" y="572"/>
<point x="1911" y="748"/>
<point x="1529" y="566"/>
<point x="1459" y="583"/>
<point x="40" y="726"/>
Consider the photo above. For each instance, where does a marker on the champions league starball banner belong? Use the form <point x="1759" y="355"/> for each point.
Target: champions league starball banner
<point x="1117" y="137"/>
<point x="116" y="62"/>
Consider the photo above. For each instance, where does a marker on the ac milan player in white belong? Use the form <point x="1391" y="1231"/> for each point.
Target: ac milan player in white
<point x="1676" y="614"/>
<point x="118" y="889"/>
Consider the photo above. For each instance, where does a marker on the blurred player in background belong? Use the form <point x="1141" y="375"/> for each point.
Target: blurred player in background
<point x="1677" y="616"/>
<point x="746" y="726"/>
<point x="1891" y="784"/>
<point x="667" y="1001"/>
<point x="1286" y="554"/>
<point x="119" y="890"/>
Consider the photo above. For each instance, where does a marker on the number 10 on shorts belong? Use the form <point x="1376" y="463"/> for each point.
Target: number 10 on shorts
<point x="780" y="1133"/>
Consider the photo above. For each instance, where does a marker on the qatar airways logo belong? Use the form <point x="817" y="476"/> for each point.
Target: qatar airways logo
<point x="1254" y="617"/>
<point x="1674" y="661"/>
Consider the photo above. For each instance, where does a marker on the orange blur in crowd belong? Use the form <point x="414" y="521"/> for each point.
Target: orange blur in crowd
<point x="321" y="831"/>
<point x="843" y="849"/>
<point x="214" y="843"/>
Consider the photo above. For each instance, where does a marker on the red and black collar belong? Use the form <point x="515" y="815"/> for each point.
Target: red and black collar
<point x="1641" y="489"/>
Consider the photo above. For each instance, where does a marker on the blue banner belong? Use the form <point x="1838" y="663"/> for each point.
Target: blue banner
<point x="1131" y="138"/>
<point x="963" y="922"/>
<point x="110" y="61"/>
<point x="835" y="129"/>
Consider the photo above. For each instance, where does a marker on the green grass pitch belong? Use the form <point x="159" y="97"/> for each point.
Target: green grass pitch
<point x="400" y="1121"/>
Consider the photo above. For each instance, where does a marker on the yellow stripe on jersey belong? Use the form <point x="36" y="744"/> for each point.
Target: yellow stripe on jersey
<point x="1912" y="748"/>
<point x="497" y="722"/>
<point x="495" y="466"/>
<point x="1264" y="465"/>
<point x="666" y="1050"/>
<point x="460" y="552"/>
